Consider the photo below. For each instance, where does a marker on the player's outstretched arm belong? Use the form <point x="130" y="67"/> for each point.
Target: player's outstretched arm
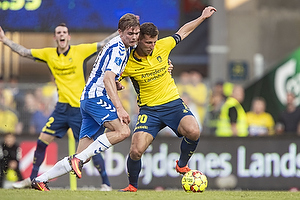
<point x="22" y="51"/>
<point x="189" y="27"/>
<point x="106" y="40"/>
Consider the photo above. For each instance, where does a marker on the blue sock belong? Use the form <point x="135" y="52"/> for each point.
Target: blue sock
<point x="39" y="156"/>
<point x="134" y="169"/>
<point x="100" y="165"/>
<point x="187" y="149"/>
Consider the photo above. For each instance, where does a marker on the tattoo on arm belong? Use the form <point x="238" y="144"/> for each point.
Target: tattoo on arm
<point x="22" y="51"/>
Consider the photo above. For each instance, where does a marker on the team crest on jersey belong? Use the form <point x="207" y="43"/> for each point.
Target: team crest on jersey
<point x="159" y="59"/>
<point x="118" y="61"/>
<point x="70" y="59"/>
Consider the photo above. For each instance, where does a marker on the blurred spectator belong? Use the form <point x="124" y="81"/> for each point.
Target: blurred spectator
<point x="260" y="123"/>
<point x="39" y="106"/>
<point x="289" y="120"/>
<point x="26" y="111"/>
<point x="228" y="88"/>
<point x="223" y="87"/>
<point x="218" y="88"/>
<point x="9" y="158"/>
<point x="39" y="117"/>
<point x="233" y="120"/>
<point x="17" y="104"/>
<point x="198" y="93"/>
<point x="184" y="81"/>
<point x="49" y="92"/>
<point x="192" y="87"/>
<point x="8" y="91"/>
<point x="217" y="100"/>
<point x="8" y="98"/>
<point x="8" y="118"/>
<point x="192" y="106"/>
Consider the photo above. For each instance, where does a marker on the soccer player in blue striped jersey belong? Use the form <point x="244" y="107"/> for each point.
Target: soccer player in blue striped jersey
<point x="100" y="104"/>
<point x="67" y="64"/>
<point x="158" y="97"/>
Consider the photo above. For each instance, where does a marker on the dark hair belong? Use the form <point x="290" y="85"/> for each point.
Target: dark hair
<point x="148" y="28"/>
<point x="63" y="25"/>
<point x="128" y="20"/>
<point x="258" y="99"/>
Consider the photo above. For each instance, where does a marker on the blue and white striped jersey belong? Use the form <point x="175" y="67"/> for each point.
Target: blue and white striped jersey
<point x="113" y="57"/>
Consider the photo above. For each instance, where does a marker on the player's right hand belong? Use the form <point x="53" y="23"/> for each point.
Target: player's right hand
<point x="208" y="12"/>
<point x="123" y="116"/>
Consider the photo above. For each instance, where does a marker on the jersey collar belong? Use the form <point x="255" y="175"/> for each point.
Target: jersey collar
<point x="136" y="58"/>
<point x="139" y="59"/>
<point x="65" y="53"/>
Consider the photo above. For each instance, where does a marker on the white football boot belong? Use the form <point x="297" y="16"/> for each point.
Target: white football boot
<point x="105" y="187"/>
<point x="22" y="184"/>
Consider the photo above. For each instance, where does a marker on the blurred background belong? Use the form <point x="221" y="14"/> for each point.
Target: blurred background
<point x="250" y="43"/>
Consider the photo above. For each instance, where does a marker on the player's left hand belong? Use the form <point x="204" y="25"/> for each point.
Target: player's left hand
<point x="208" y="11"/>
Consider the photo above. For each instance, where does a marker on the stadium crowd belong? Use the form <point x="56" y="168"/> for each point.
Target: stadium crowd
<point x="25" y="108"/>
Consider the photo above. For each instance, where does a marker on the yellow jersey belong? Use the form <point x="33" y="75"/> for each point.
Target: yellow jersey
<point x="9" y="121"/>
<point x="150" y="77"/>
<point x="260" y="124"/>
<point x="68" y="69"/>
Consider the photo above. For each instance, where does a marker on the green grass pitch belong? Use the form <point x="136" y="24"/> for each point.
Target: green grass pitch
<point x="59" y="194"/>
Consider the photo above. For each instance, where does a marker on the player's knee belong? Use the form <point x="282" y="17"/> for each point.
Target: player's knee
<point x="194" y="136"/>
<point x="193" y="133"/>
<point x="135" y="154"/>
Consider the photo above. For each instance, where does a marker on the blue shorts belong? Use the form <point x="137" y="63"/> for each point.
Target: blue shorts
<point x="62" y="118"/>
<point x="94" y="113"/>
<point x="153" y="119"/>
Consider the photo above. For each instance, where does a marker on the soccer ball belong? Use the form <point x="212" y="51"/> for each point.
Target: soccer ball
<point x="194" y="181"/>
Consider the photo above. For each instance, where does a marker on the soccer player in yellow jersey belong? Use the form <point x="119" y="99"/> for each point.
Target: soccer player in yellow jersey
<point x="67" y="64"/>
<point x="158" y="98"/>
